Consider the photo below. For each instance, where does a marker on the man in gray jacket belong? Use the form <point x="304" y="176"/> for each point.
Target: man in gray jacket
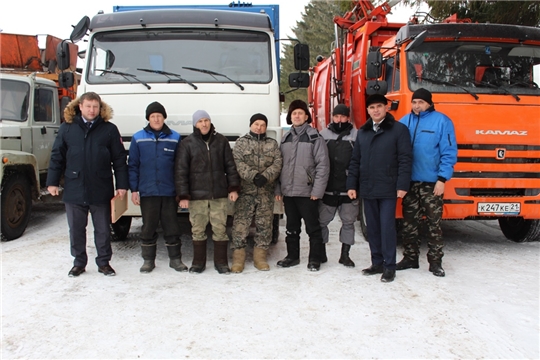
<point x="303" y="180"/>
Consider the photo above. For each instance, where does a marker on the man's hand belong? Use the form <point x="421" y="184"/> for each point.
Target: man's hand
<point x="53" y="190"/>
<point x="352" y="194"/>
<point x="233" y="195"/>
<point x="439" y="188"/>
<point x="279" y="197"/>
<point x="135" y="198"/>
<point x="121" y="192"/>
<point x="184" y="204"/>
<point x="314" y="197"/>
<point x="401" y="193"/>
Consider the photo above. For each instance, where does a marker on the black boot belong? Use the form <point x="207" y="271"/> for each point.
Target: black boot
<point x="373" y="269"/>
<point x="388" y="275"/>
<point x="407" y="263"/>
<point x="148" y="252"/>
<point x="199" y="257"/>
<point x="220" y="257"/>
<point x="293" y="253"/>
<point x="175" y="257"/>
<point x="314" y="258"/>
<point x="344" y="258"/>
<point x="436" y="269"/>
<point x="324" y="258"/>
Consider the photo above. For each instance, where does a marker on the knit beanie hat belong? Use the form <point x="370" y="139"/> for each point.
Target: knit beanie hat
<point x="200" y="114"/>
<point x="258" y="116"/>
<point x="298" y="104"/>
<point x="155" y="107"/>
<point x="376" y="99"/>
<point x="422" y="94"/>
<point x="341" y="109"/>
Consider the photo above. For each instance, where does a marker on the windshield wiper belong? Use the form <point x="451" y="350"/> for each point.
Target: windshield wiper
<point x="213" y="73"/>
<point x="168" y="75"/>
<point x="506" y="91"/>
<point x="125" y="76"/>
<point x="443" y="82"/>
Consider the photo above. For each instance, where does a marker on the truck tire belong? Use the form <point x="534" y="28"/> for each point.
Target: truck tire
<point x="16" y="206"/>
<point x="120" y="229"/>
<point x="520" y="230"/>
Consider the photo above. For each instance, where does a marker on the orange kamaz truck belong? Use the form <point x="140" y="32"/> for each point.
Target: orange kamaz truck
<point x="483" y="76"/>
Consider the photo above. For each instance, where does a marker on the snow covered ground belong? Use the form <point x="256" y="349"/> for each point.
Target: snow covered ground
<point x="486" y="307"/>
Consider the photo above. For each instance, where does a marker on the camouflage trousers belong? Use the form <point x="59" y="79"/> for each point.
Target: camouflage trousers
<point x="421" y="205"/>
<point x="246" y="208"/>
<point x="202" y="212"/>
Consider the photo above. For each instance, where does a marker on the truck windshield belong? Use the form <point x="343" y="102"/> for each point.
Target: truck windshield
<point x="476" y="67"/>
<point x="243" y="56"/>
<point x="14" y="97"/>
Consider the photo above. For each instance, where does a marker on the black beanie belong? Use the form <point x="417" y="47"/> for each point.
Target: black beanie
<point x="376" y="99"/>
<point x="422" y="94"/>
<point x="341" y="109"/>
<point x="256" y="117"/>
<point x="298" y="104"/>
<point x="155" y="107"/>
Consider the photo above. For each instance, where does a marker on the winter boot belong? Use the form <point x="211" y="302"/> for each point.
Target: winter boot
<point x="221" y="263"/>
<point x="148" y="252"/>
<point x="388" y="275"/>
<point x="324" y="258"/>
<point x="344" y="258"/>
<point x="436" y="269"/>
<point x="293" y="253"/>
<point x="199" y="257"/>
<point x="238" y="260"/>
<point x="373" y="269"/>
<point x="314" y="257"/>
<point x="259" y="259"/>
<point x="175" y="257"/>
<point x="407" y="263"/>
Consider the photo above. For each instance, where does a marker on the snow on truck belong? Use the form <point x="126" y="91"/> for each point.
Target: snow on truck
<point x="483" y="76"/>
<point x="30" y="115"/>
<point x="223" y="59"/>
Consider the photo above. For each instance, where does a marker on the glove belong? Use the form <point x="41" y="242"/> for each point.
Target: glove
<point x="260" y="180"/>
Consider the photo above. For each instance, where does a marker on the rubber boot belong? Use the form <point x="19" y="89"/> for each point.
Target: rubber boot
<point x="293" y="252"/>
<point x="238" y="260"/>
<point x="259" y="259"/>
<point x="148" y="252"/>
<point x="314" y="258"/>
<point x="199" y="257"/>
<point x="220" y="257"/>
<point x="344" y="258"/>
<point x="175" y="257"/>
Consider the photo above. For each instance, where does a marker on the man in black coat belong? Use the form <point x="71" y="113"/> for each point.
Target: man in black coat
<point x="380" y="169"/>
<point x="85" y="147"/>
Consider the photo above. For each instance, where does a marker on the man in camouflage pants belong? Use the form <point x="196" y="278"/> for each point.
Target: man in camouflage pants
<point x="434" y="156"/>
<point x="258" y="161"/>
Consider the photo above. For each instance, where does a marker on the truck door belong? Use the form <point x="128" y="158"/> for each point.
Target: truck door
<point x="45" y="124"/>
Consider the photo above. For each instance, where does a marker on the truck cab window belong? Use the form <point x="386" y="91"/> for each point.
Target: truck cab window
<point x="43" y="105"/>
<point x="14" y="100"/>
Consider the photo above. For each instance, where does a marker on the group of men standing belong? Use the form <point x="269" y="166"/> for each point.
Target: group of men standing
<point x="315" y="174"/>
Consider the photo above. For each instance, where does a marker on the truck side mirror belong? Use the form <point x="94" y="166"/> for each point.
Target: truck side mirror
<point x="376" y="87"/>
<point x="374" y="65"/>
<point x="66" y="80"/>
<point x="301" y="57"/>
<point x="80" y="29"/>
<point x="62" y="55"/>
<point x="299" y="80"/>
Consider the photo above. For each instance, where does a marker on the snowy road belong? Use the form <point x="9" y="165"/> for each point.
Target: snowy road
<point x="486" y="307"/>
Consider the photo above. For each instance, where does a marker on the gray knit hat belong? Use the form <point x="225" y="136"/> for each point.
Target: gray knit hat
<point x="200" y="114"/>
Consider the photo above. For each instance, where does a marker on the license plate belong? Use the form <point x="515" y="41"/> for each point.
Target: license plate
<point x="499" y="208"/>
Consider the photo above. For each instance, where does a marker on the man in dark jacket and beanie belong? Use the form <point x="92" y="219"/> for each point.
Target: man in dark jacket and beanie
<point x="86" y="145"/>
<point x="302" y="182"/>
<point x="340" y="136"/>
<point x="206" y="178"/>
<point x="380" y="169"/>
<point x="151" y="181"/>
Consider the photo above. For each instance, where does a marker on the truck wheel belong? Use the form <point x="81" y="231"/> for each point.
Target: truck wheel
<point x="16" y="206"/>
<point x="120" y="229"/>
<point x="520" y="230"/>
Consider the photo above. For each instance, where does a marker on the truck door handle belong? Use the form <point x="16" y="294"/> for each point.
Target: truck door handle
<point x="43" y="130"/>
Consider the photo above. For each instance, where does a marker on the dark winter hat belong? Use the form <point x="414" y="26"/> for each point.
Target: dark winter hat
<point x="200" y="114"/>
<point x="422" y="94"/>
<point x="155" y="107"/>
<point x="258" y="116"/>
<point x="341" y="109"/>
<point x="298" y="104"/>
<point x="376" y="99"/>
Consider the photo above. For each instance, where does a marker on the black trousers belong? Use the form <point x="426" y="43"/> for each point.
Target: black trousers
<point x="298" y="208"/>
<point x="77" y="216"/>
<point x="381" y="231"/>
<point x="155" y="209"/>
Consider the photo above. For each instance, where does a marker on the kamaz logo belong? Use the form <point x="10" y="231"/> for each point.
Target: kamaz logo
<point x="502" y="132"/>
